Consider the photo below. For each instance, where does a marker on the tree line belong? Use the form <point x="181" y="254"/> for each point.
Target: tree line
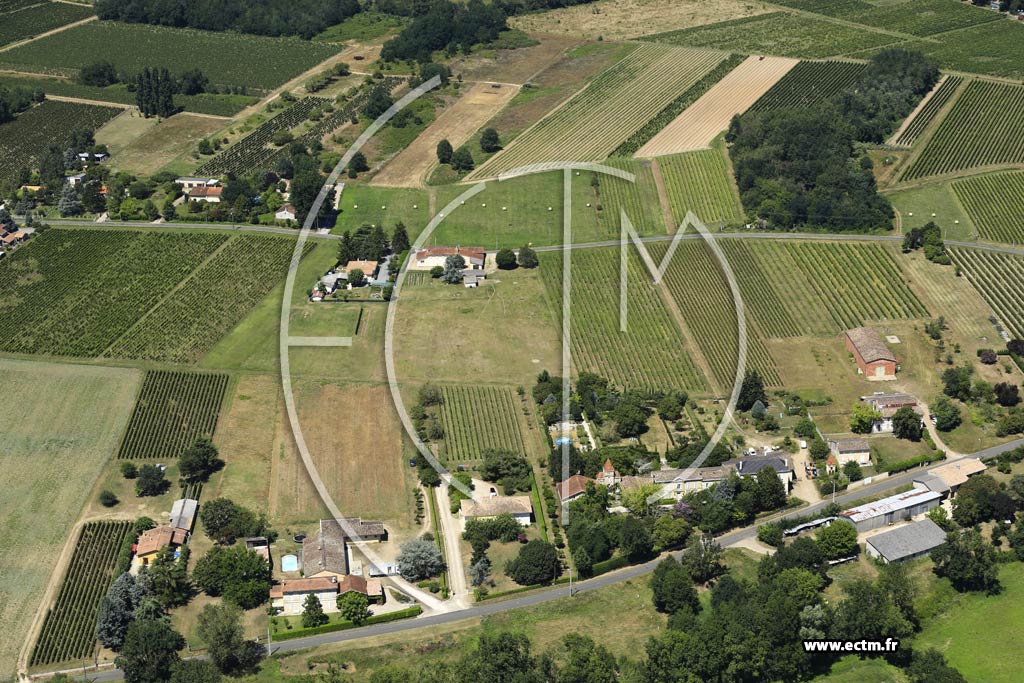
<point x="304" y="18"/>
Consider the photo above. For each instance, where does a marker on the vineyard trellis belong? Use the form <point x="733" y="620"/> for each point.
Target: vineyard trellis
<point x="699" y="182"/>
<point x="995" y="204"/>
<point x="20" y="20"/>
<point x="639" y="198"/>
<point x="187" y="324"/>
<point x="476" y="418"/>
<point x="651" y="354"/>
<point x="808" y="83"/>
<point x="173" y="409"/>
<point x="609" y="110"/>
<point x="69" y="630"/>
<point x="73" y="292"/>
<point x="999" y="278"/>
<point x="977" y="132"/>
<point x="929" y="111"/>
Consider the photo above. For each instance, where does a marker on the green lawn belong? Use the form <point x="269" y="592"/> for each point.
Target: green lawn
<point x="363" y="26"/>
<point x="366" y="205"/>
<point x="853" y="669"/>
<point x="936" y="199"/>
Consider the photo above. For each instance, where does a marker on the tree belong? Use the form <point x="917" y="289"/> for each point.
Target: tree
<point x="527" y="257"/>
<point x="1007" y="395"/>
<point x="199" y="461"/>
<point x="866" y="612"/>
<point x="220" y="627"/>
<point x="453" y="267"/>
<point x="169" y="212"/>
<point x="151" y="481"/>
<point x="508" y="469"/>
<point x="537" y="562"/>
<point x="635" y="540"/>
<point x="587" y="662"/>
<point x="769" y="491"/>
<point x="313" y="612"/>
<point x="838" y="540"/>
<point x="356" y="277"/>
<point x="480" y="571"/>
<point x="444" y="152"/>
<point x="224" y="521"/>
<point x="672" y="588"/>
<point x="462" y="160"/>
<point x="399" y="238"/>
<point x="150" y="652"/>
<point x="378" y="102"/>
<point x="751" y="391"/>
<point x="906" y="424"/>
<point x="116" y="611"/>
<point x="947" y="415"/>
<point x="359" y="163"/>
<point x="968" y="562"/>
<point x="489" y="141"/>
<point x="957" y="382"/>
<point x="862" y="418"/>
<point x="354" y="607"/>
<point x="237" y="573"/>
<point x="108" y="499"/>
<point x="929" y="666"/>
<point x="505" y="259"/>
<point x="898" y="582"/>
<point x="69" y="204"/>
<point x="419" y="559"/>
<point x="98" y="74"/>
<point x="635" y="498"/>
<point x="853" y="471"/>
<point x="702" y="558"/>
<point x="818" y="449"/>
<point x="166" y="579"/>
<point x="977" y="500"/>
<point x="195" y="671"/>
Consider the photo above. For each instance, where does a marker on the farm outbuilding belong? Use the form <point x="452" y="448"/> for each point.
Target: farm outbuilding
<point x="520" y="507"/>
<point x="906" y="542"/>
<point x="902" y="506"/>
<point x="874" y="359"/>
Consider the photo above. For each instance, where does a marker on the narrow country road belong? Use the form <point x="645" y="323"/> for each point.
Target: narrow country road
<point x="457" y="588"/>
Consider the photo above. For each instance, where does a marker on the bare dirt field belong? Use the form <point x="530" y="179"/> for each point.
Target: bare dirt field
<point x="457" y="123"/>
<point x="165" y="141"/>
<point x="69" y="420"/>
<point x="702" y="121"/>
<point x="621" y="19"/>
<point x="514" y="66"/>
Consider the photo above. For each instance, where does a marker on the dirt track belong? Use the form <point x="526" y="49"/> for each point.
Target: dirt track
<point x="702" y="121"/>
<point x="457" y="123"/>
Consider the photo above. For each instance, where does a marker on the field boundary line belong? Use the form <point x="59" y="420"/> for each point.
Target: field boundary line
<point x="171" y="292"/>
<point x="847" y="22"/>
<point x="49" y="33"/>
<point x="917" y="110"/>
<point x="929" y="132"/>
<point x="666" y="206"/>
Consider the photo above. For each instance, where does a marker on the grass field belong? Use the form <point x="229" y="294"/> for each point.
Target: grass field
<point x="960" y="633"/>
<point x="651" y="353"/>
<point x="916" y="206"/>
<point x="995" y="204"/>
<point x="69" y="631"/>
<point x="778" y="33"/>
<point x="32" y="21"/>
<point x="974" y="133"/>
<point x="808" y="83"/>
<point x="363" y="26"/>
<point x="69" y="420"/>
<point x="479" y="417"/>
<point x="639" y="198"/>
<point x="999" y="278"/>
<point x="208" y="304"/>
<point x="117" y="276"/>
<point x="23" y="140"/>
<point x="165" y="145"/>
<point x="226" y="58"/>
<point x="386" y="206"/>
<point x="700" y="182"/>
<point x="173" y="409"/>
<point x="614" y="105"/>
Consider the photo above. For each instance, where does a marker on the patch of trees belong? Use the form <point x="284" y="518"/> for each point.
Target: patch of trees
<point x="795" y="167"/>
<point x="238" y="573"/>
<point x="371" y="243"/>
<point x="154" y="92"/>
<point x="224" y="521"/>
<point x="733" y="502"/>
<point x="16" y="100"/>
<point x="537" y="562"/>
<point x="929" y="238"/>
<point x="508" y="469"/>
<point x="304" y="18"/>
<point x="448" y="26"/>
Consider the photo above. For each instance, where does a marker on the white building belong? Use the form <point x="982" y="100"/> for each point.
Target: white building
<point x="431" y="257"/>
<point x="188" y="182"/>
<point x="520" y="507"/>
<point x="285" y="213"/>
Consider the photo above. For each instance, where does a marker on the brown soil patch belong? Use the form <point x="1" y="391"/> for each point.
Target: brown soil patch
<point x="457" y="123"/>
<point x="514" y="66"/>
<point x="621" y="19"/>
<point x="702" y="121"/>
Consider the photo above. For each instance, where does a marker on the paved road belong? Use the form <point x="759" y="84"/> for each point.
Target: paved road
<point x="541" y="596"/>
<point x="222" y="227"/>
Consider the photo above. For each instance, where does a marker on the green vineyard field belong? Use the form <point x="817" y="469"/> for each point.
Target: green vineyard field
<point x="73" y="292"/>
<point x="639" y="199"/>
<point x="609" y="110"/>
<point x="69" y="630"/>
<point x="23" y="140"/>
<point x="651" y="354"/>
<point x="172" y="411"/>
<point x="929" y="111"/>
<point x="977" y="132"/>
<point x="999" y="278"/>
<point x="995" y="204"/>
<point x="185" y="325"/>
<point x="700" y="182"/>
<point x="808" y="83"/>
<point x="918" y="18"/>
<point x="27" y="22"/>
<point x="476" y="418"/>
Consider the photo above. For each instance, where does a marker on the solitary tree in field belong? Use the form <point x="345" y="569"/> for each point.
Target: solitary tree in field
<point x="199" y="461"/>
<point x="527" y="257"/>
<point x="537" y="562"/>
<point x="489" y="141"/>
<point x="444" y="152"/>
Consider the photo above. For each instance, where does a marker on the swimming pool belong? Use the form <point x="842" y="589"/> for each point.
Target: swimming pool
<point x="289" y="563"/>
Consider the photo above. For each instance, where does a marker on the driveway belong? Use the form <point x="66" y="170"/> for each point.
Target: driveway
<point x="451" y="528"/>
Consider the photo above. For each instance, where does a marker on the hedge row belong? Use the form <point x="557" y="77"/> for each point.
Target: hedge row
<point x="904" y="465"/>
<point x="413" y="611"/>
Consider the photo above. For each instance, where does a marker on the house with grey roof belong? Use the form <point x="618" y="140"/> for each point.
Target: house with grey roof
<point x="906" y="542"/>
